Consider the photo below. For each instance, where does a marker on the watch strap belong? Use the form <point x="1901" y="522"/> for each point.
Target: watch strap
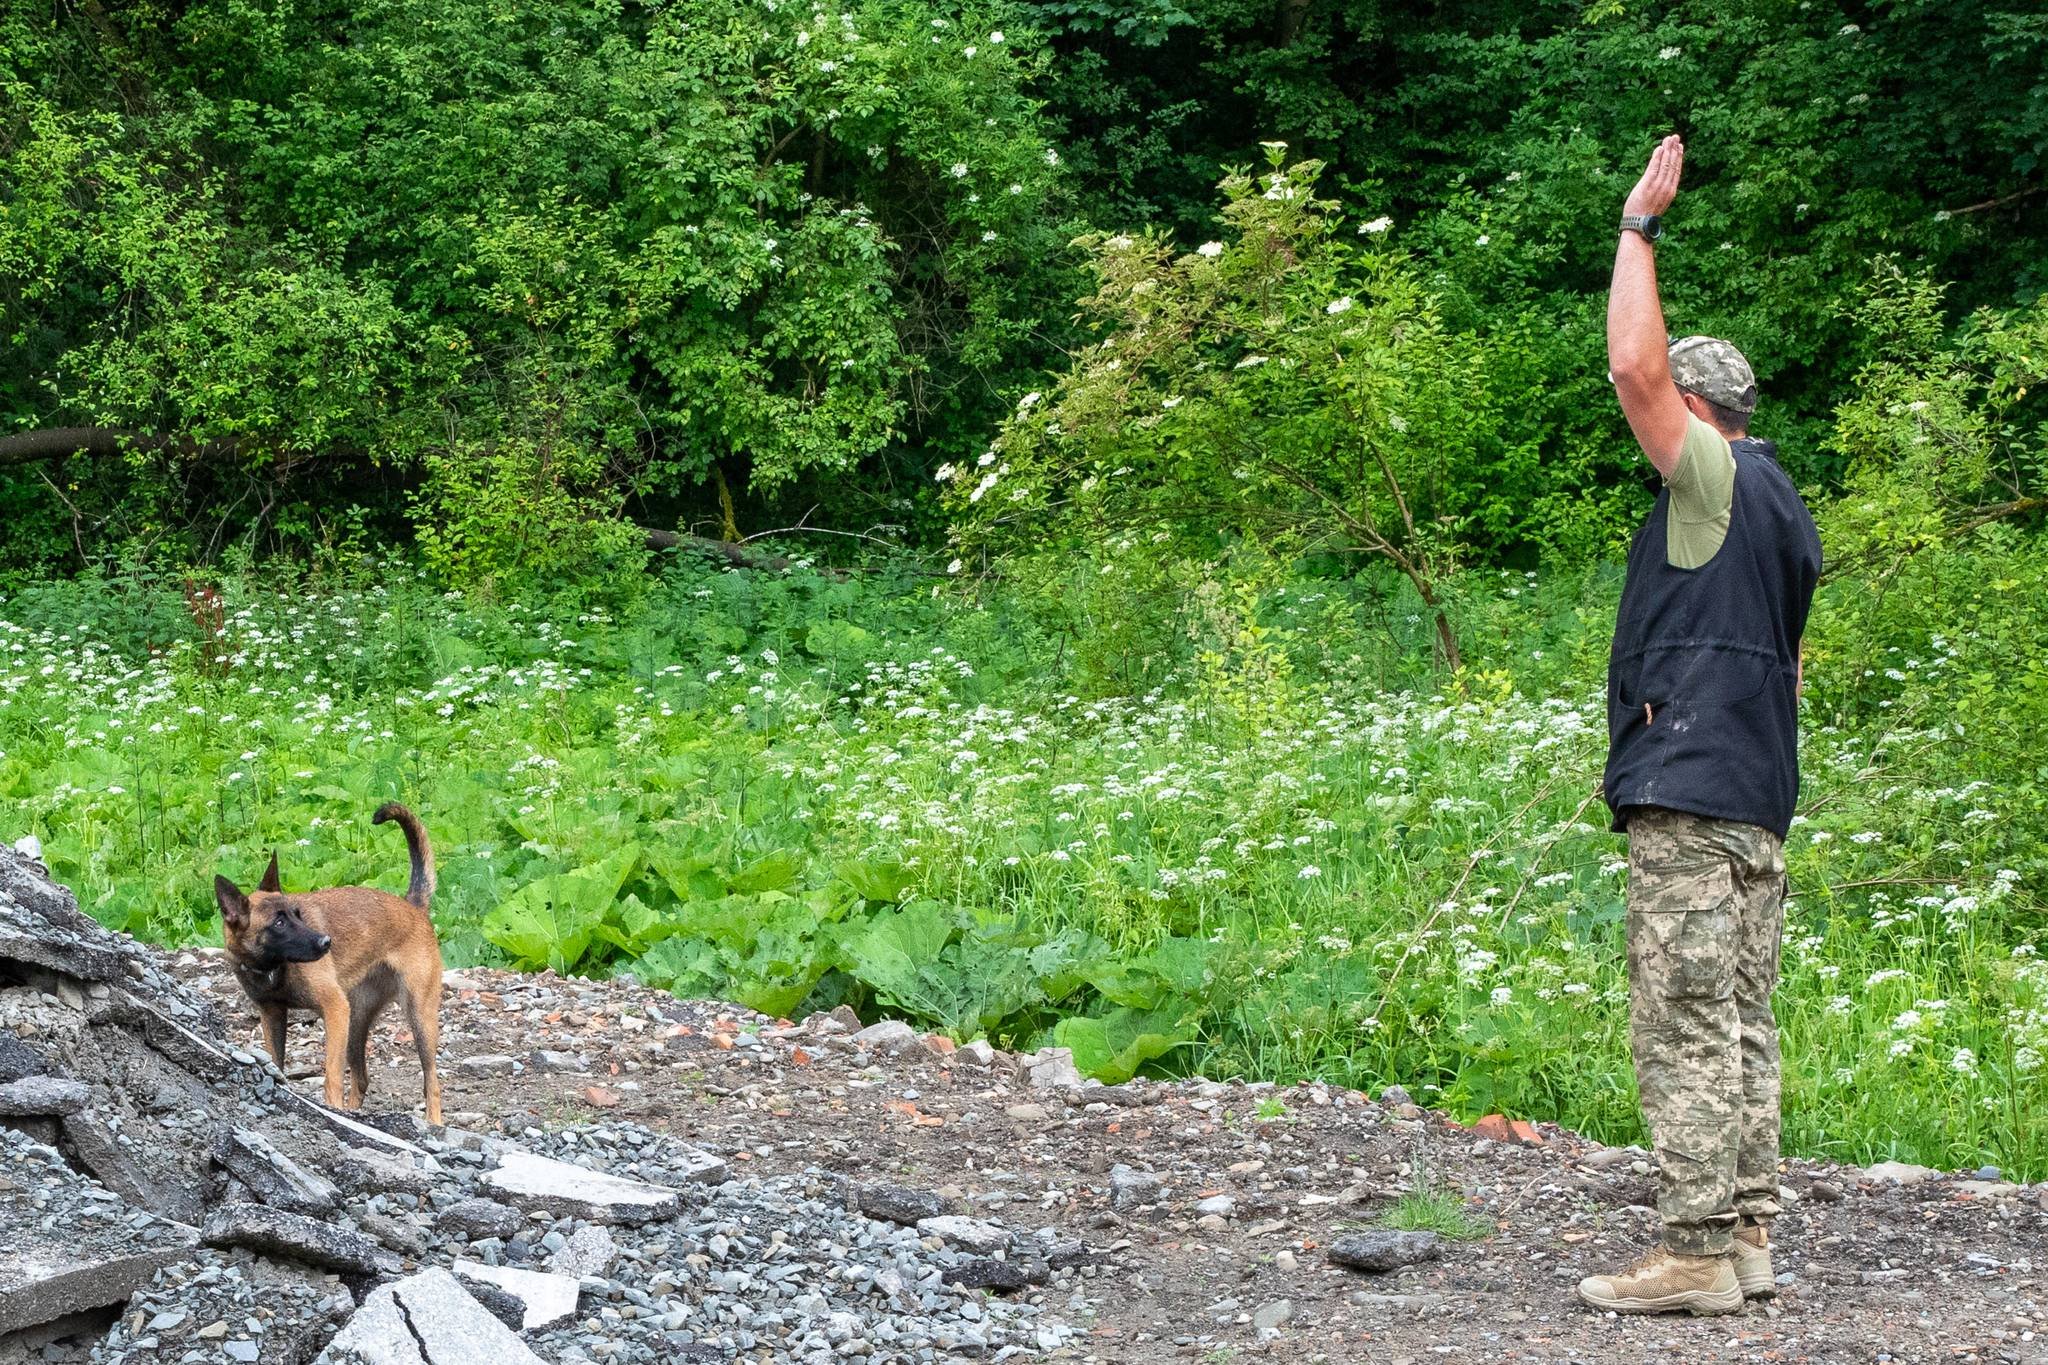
<point x="1644" y="224"/>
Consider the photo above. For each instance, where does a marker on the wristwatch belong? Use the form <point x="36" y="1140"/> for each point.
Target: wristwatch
<point x="1648" y="224"/>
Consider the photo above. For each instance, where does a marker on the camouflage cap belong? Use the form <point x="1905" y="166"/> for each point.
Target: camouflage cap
<point x="1715" y="371"/>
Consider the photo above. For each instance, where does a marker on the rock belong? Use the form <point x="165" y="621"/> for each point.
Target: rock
<point x="1988" y="1189"/>
<point x="1383" y="1249"/>
<point x="939" y="1045"/>
<point x="472" y="1219"/>
<point x="600" y="1097"/>
<point x="545" y="1299"/>
<point x="1217" y="1206"/>
<point x="969" y="1234"/>
<point x="983" y="1272"/>
<point x="538" y="1183"/>
<point x="1902" y="1173"/>
<point x="43" y="1096"/>
<point x="976" y="1053"/>
<point x="273" y="1177"/>
<point x="1394" y="1096"/>
<point x="487" y="1064"/>
<point x="1823" y="1192"/>
<point x="1027" y="1113"/>
<point x="368" y="1170"/>
<point x="399" y="1234"/>
<point x="898" y="1204"/>
<point x="1052" y="1068"/>
<point x="1273" y="1316"/>
<point x="558" y="1063"/>
<point x="1606" y="1158"/>
<point x="277" y="1233"/>
<point x="1399" y="1303"/>
<point x="890" y="1037"/>
<point x="1129" y="1187"/>
<point x="18" y="1059"/>
<point x="589" y="1251"/>
<point x="429" y="1319"/>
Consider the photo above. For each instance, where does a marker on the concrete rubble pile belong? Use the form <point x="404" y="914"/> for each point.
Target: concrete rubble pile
<point x="166" y="1196"/>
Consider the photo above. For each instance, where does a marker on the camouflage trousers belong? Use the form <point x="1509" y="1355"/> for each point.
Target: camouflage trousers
<point x="1706" y="909"/>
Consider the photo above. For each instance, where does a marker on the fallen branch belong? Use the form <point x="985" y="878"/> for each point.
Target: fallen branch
<point x="1999" y="202"/>
<point x="732" y="552"/>
<point x="57" y="443"/>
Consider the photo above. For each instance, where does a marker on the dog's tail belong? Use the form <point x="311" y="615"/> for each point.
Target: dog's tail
<point x="422" y="889"/>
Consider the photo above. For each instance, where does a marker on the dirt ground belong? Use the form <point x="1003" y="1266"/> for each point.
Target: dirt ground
<point x="1879" y="1272"/>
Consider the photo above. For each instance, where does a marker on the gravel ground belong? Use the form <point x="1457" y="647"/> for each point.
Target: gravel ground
<point x="1129" y="1224"/>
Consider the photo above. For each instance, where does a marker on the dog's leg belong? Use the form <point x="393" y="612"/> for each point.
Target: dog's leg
<point x="360" y="1022"/>
<point x="273" y="1031"/>
<point x="334" y="1019"/>
<point x="423" y="1013"/>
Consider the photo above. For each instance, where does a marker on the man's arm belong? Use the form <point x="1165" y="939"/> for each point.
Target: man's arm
<point x="1636" y="341"/>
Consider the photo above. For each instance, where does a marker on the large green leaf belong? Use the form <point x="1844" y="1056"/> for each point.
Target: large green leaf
<point x="778" y="871"/>
<point x="1113" y="1047"/>
<point x="878" y="879"/>
<point x="551" y="922"/>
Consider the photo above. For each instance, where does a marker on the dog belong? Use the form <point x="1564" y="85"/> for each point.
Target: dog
<point x="344" y="953"/>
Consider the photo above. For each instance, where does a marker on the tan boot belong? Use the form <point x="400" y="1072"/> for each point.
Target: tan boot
<point x="1667" y="1282"/>
<point x="1751" y="1256"/>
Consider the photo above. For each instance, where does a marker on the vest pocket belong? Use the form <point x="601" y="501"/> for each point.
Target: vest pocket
<point x="1695" y="674"/>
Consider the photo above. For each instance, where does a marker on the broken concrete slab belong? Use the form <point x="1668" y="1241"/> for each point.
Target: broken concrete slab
<point x="975" y="1235"/>
<point x="372" y="1170"/>
<point x="71" y="1246"/>
<point x="548" y="1299"/>
<point x="43" y="1096"/>
<point x="532" y="1183"/>
<point x="427" y="1319"/>
<point x="293" y="1237"/>
<point x="101" y="1151"/>
<point x="270" y="1175"/>
<point x="347" y="1129"/>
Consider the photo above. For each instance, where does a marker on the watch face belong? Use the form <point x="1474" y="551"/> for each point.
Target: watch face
<point x="1653" y="226"/>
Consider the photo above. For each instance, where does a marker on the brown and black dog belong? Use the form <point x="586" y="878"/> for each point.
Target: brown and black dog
<point x="346" y="954"/>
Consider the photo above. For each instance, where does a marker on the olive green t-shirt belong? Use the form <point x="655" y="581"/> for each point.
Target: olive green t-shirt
<point x="1702" y="496"/>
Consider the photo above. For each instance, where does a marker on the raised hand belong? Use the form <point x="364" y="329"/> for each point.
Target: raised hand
<point x="1659" y="185"/>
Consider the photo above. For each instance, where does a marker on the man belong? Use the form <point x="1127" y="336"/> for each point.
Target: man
<point x="1702" y="774"/>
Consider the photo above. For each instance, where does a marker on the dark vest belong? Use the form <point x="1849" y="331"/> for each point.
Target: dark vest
<point x="1702" y="699"/>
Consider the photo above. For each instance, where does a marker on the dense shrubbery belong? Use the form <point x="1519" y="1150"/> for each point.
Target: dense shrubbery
<point x="502" y="275"/>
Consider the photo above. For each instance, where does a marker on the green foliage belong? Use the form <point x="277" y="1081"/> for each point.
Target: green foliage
<point x="1938" y="438"/>
<point x="571" y="251"/>
<point x="1288" y="386"/>
<point x="1341" y="871"/>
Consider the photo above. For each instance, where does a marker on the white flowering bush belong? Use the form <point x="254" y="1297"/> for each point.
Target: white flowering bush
<point x="1289" y="386"/>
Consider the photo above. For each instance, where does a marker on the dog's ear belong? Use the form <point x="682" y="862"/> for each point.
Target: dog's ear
<point x="234" y="906"/>
<point x="270" y="881"/>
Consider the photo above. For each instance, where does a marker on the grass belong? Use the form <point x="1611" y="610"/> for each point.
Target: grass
<point x="1432" y="1208"/>
<point x="1301" y="856"/>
